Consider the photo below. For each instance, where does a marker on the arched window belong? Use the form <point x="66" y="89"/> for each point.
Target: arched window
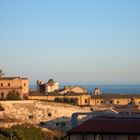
<point x="2" y="95"/>
<point x="24" y="84"/>
<point x="17" y="93"/>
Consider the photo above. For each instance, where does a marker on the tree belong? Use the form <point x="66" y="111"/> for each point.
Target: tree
<point x="13" y="95"/>
<point x="1" y="73"/>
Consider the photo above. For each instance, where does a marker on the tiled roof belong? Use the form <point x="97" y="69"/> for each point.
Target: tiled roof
<point x="109" y="125"/>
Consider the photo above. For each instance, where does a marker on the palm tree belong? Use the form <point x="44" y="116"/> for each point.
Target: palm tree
<point x="1" y="73"/>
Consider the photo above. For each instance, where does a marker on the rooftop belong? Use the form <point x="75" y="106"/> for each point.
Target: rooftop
<point x="12" y="78"/>
<point x="108" y="125"/>
<point x="109" y="96"/>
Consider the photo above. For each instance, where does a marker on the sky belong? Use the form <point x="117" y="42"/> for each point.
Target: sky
<point x="71" y="41"/>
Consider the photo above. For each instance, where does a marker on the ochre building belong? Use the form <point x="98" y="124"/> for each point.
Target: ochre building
<point x="113" y="99"/>
<point x="19" y="85"/>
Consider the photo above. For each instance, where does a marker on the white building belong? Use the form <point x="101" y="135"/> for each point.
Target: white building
<point x="48" y="87"/>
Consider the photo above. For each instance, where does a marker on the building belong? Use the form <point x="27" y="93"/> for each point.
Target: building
<point x="106" y="99"/>
<point x="48" y="87"/>
<point x="106" y="128"/>
<point x="114" y="99"/>
<point x="76" y="89"/>
<point x="69" y="97"/>
<point x="50" y="91"/>
<point x="17" y="84"/>
<point x="96" y="91"/>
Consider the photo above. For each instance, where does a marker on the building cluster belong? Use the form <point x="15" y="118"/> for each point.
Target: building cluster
<point x="50" y="91"/>
<point x="69" y="94"/>
<point x="100" y="127"/>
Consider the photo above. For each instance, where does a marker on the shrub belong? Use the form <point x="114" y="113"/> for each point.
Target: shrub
<point x="42" y="123"/>
<point x="13" y="95"/>
<point x="62" y="124"/>
<point x="66" y="100"/>
<point x="74" y="101"/>
<point x="58" y="100"/>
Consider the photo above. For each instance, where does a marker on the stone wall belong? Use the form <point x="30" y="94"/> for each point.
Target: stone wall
<point x="55" y="115"/>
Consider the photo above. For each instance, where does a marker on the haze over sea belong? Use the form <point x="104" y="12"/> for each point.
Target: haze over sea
<point x="123" y="89"/>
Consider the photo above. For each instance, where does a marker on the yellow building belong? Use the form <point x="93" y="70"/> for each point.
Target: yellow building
<point x="104" y="99"/>
<point x="69" y="94"/>
<point x="80" y="99"/>
<point x="17" y="84"/>
<point x="114" y="99"/>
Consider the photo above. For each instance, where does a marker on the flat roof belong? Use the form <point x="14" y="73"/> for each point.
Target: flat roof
<point x="12" y="78"/>
<point x="109" y="96"/>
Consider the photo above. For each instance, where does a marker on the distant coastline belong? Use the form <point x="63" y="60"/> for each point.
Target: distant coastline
<point x="123" y="89"/>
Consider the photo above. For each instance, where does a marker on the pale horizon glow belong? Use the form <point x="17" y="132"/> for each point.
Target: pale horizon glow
<point x="76" y="41"/>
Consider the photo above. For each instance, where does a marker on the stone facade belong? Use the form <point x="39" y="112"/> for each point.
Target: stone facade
<point x="18" y="84"/>
<point x="76" y="89"/>
<point x="55" y="115"/>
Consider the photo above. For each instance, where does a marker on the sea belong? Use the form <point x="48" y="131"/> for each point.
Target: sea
<point x="114" y="89"/>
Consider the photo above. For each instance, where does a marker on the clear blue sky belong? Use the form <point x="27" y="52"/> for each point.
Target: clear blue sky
<point x="71" y="41"/>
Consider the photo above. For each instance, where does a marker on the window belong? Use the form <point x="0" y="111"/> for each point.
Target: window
<point x="8" y="84"/>
<point x="86" y="101"/>
<point x="97" y="101"/>
<point x="30" y="116"/>
<point x="24" y="84"/>
<point x="2" y="95"/>
<point x="57" y="123"/>
<point x="49" y="114"/>
<point x="101" y="102"/>
<point x="117" y="102"/>
<point x="1" y="84"/>
<point x="110" y="102"/>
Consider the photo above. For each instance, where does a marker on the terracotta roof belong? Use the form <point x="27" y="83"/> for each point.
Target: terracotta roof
<point x="109" y="125"/>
